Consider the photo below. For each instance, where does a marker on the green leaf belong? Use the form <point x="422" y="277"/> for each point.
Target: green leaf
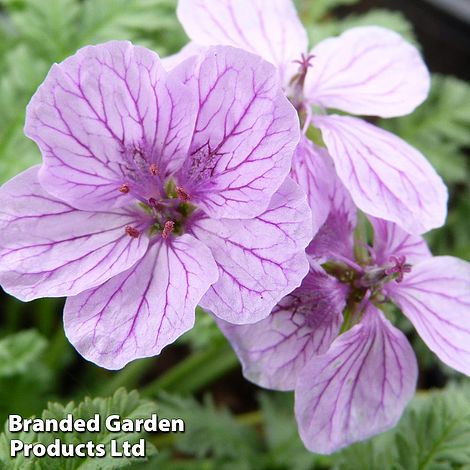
<point x="210" y="431"/>
<point x="317" y="9"/>
<point x="432" y="435"/>
<point x="393" y="20"/>
<point x="19" y="352"/>
<point x="126" y="405"/>
<point x="285" y="449"/>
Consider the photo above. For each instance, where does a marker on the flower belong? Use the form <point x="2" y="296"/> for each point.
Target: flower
<point x="353" y="372"/>
<point x="369" y="71"/>
<point x="152" y="195"/>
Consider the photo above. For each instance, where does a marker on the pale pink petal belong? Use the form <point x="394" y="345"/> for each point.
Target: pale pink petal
<point x="103" y="115"/>
<point x="391" y="240"/>
<point x="368" y="71"/>
<point x="260" y="260"/>
<point x="435" y="296"/>
<point x="335" y="237"/>
<point x="303" y="324"/>
<point x="269" y="28"/>
<point x="50" y="249"/>
<point x="137" y="313"/>
<point x="190" y="50"/>
<point x="245" y="136"/>
<point x="313" y="169"/>
<point x="358" y="388"/>
<point x="386" y="177"/>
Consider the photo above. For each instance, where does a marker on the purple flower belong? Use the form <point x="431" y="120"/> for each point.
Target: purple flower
<point x="152" y="197"/>
<point x="368" y="71"/>
<point x="353" y="372"/>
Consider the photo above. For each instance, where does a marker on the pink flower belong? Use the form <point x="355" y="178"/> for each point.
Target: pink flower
<point x="152" y="195"/>
<point x="353" y="372"/>
<point x="369" y="71"/>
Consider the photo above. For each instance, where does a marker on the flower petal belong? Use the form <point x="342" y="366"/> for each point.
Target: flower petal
<point x="260" y="260"/>
<point x="391" y="240"/>
<point x="137" y="313"/>
<point x="335" y="237"/>
<point x="435" y="296"/>
<point x="246" y="134"/>
<point x="357" y="389"/>
<point x="50" y="249"/>
<point x="368" y="71"/>
<point x="190" y="50"/>
<point x="387" y="178"/>
<point x="313" y="169"/>
<point x="102" y="114"/>
<point x="275" y="350"/>
<point x="269" y="28"/>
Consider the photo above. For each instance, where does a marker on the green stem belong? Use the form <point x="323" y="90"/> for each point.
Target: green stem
<point x="129" y="377"/>
<point x="196" y="371"/>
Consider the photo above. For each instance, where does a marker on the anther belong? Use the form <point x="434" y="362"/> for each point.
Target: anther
<point x="154" y="169"/>
<point x="168" y="228"/>
<point x="124" y="188"/>
<point x="132" y="232"/>
<point x="182" y="194"/>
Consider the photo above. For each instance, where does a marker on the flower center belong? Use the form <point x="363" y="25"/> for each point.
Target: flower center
<point x="166" y="206"/>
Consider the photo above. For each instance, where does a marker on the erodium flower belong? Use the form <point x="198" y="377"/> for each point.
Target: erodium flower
<point x="152" y="197"/>
<point x="369" y="71"/>
<point x="353" y="372"/>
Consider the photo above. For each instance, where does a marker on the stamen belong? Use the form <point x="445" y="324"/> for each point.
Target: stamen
<point x="168" y="228"/>
<point x="124" y="188"/>
<point x="154" y="169"/>
<point x="132" y="232"/>
<point x="400" y="267"/>
<point x="182" y="194"/>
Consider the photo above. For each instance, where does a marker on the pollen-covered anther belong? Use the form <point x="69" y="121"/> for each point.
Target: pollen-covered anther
<point x="124" y="188"/>
<point x="132" y="232"/>
<point x="182" y="194"/>
<point x="399" y="267"/>
<point x="168" y="228"/>
<point x="153" y="168"/>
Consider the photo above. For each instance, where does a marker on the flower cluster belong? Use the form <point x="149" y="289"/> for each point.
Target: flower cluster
<point x="218" y="177"/>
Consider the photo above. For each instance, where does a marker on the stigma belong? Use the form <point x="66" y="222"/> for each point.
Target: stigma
<point x="399" y="267"/>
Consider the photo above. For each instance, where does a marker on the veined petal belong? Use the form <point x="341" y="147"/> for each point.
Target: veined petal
<point x="303" y="324"/>
<point x="435" y="296"/>
<point x="246" y="133"/>
<point x="50" y="249"/>
<point x="391" y="240"/>
<point x="137" y="313"/>
<point x="386" y="177"/>
<point x="313" y="169"/>
<point x="269" y="28"/>
<point x="358" y="388"/>
<point x="336" y="236"/>
<point x="260" y="260"/>
<point x="104" y="114"/>
<point x="368" y="71"/>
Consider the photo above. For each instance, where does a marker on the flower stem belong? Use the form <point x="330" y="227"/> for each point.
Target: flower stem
<point x="196" y="371"/>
